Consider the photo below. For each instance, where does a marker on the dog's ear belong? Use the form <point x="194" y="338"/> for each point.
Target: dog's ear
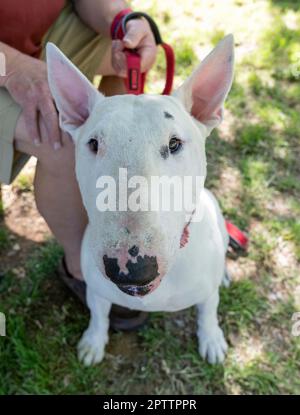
<point x="73" y="93"/>
<point x="204" y="92"/>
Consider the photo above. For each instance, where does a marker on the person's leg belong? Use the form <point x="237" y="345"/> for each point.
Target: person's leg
<point x="57" y="194"/>
<point x="59" y="202"/>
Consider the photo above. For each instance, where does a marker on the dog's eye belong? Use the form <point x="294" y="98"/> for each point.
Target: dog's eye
<point x="93" y="145"/>
<point x="175" y="145"/>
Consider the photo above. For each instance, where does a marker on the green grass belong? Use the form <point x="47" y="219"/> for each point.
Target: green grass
<point x="260" y="145"/>
<point x="1" y="208"/>
<point x="39" y="353"/>
<point x="185" y="56"/>
<point x="24" y="183"/>
<point x="248" y="304"/>
<point x="4" y="239"/>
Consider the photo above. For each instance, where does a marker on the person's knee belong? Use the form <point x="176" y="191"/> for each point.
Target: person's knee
<point x="58" y="163"/>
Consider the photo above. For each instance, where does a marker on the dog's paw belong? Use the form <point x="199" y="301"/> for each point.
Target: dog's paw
<point x="212" y="345"/>
<point x="91" y="348"/>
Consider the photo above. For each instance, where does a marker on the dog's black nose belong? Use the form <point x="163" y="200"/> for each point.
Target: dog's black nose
<point x="140" y="273"/>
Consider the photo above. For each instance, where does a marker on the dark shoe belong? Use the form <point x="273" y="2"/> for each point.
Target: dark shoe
<point x="121" y="318"/>
<point x="77" y="287"/>
<point x="124" y="319"/>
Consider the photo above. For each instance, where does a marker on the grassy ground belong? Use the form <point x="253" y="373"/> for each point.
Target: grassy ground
<point x="254" y="170"/>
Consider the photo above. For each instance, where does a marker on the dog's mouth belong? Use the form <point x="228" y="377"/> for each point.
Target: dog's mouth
<point x="140" y="290"/>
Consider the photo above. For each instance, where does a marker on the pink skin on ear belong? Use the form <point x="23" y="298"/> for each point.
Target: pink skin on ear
<point x="73" y="94"/>
<point x="74" y="100"/>
<point x="205" y="91"/>
<point x="211" y="87"/>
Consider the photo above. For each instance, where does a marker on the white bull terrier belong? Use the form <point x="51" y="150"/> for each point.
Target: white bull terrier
<point x="134" y="259"/>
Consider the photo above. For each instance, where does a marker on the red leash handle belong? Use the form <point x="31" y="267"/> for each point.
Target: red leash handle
<point x="135" y="80"/>
<point x="170" y="69"/>
<point x="238" y="240"/>
<point x="116" y="29"/>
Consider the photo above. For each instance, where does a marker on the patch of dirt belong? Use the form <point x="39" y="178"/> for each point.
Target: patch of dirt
<point x="242" y="268"/>
<point x="23" y="220"/>
<point x="26" y="228"/>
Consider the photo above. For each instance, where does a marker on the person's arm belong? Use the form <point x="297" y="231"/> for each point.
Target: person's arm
<point x="99" y="14"/>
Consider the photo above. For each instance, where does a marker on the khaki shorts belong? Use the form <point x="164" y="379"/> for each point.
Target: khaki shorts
<point x="83" y="47"/>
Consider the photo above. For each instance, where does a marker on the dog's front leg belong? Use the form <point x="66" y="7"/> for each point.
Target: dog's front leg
<point x="92" y="344"/>
<point x="212" y="344"/>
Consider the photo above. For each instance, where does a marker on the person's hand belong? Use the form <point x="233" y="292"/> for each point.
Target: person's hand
<point x="140" y="37"/>
<point x="27" y="83"/>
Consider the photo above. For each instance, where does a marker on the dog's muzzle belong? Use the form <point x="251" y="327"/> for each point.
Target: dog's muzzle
<point x="142" y="276"/>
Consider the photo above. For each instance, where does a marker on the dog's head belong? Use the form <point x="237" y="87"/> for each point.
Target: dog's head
<point x="125" y="145"/>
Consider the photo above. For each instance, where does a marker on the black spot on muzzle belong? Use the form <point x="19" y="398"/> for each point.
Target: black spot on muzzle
<point x="140" y="273"/>
<point x="133" y="251"/>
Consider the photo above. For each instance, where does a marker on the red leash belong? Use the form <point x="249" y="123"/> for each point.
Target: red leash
<point x="135" y="83"/>
<point x="238" y="240"/>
